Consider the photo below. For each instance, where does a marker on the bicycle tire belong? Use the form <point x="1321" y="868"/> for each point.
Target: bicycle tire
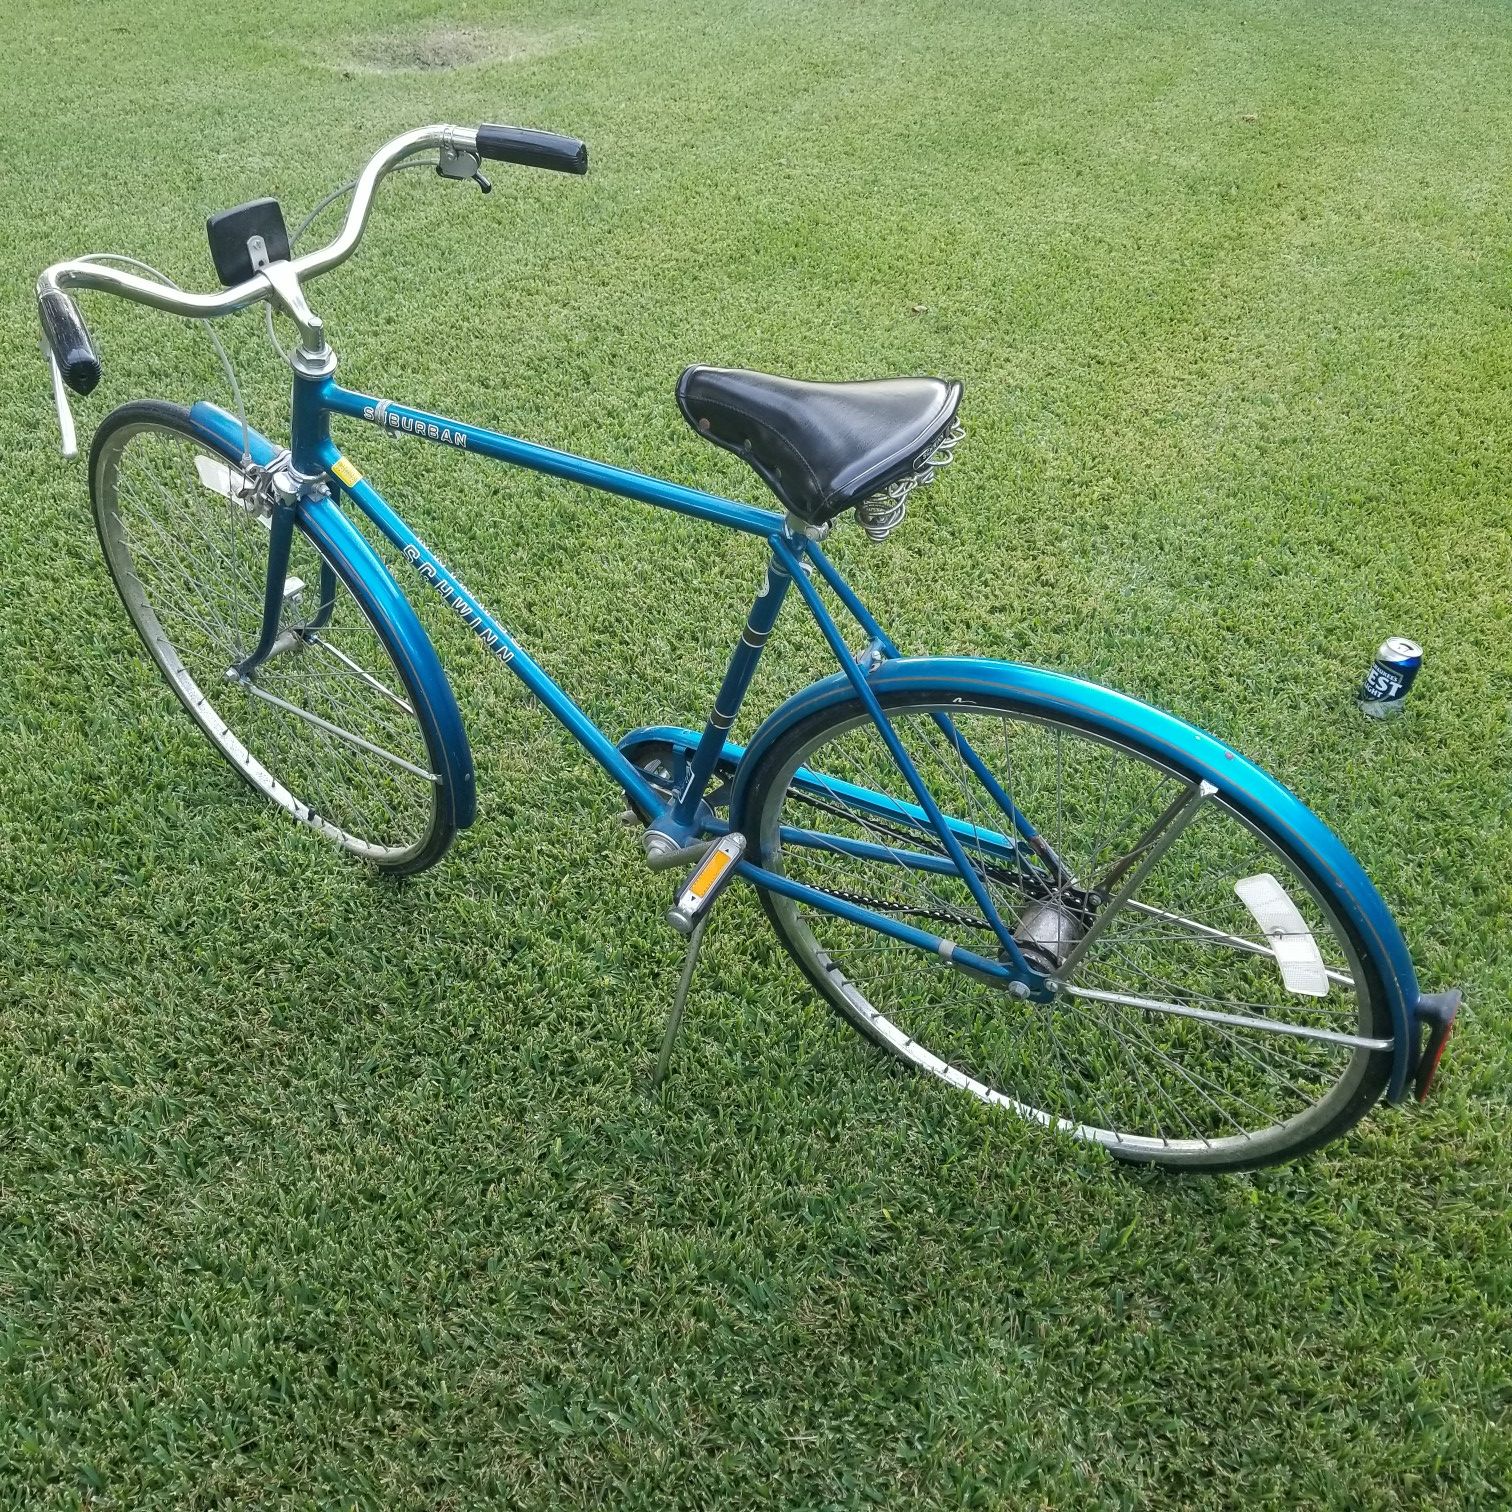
<point x="394" y="808"/>
<point x="903" y="1031"/>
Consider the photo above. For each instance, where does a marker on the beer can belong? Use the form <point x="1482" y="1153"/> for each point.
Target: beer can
<point x="1391" y="674"/>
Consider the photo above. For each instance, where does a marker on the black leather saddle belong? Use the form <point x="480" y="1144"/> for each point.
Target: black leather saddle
<point x="820" y="447"/>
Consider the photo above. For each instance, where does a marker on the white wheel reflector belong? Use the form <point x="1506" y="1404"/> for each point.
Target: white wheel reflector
<point x="230" y="483"/>
<point x="217" y="476"/>
<point x="1291" y="941"/>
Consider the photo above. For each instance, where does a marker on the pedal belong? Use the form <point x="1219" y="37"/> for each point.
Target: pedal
<point x="710" y="878"/>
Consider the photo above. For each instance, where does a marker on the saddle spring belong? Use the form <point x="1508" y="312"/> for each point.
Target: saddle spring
<point x="881" y="513"/>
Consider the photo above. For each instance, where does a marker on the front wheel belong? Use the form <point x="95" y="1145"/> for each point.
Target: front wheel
<point x="1212" y="1007"/>
<point x="335" y="727"/>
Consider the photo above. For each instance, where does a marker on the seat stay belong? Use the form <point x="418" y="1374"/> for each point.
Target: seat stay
<point x="1038" y="845"/>
<point x="943" y="831"/>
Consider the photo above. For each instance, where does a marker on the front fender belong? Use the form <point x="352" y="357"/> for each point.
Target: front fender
<point x="340" y="540"/>
<point x="1246" y="788"/>
<point x="225" y="430"/>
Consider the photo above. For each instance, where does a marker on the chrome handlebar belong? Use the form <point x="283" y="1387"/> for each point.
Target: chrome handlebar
<point x="81" y="273"/>
<point x="278" y="283"/>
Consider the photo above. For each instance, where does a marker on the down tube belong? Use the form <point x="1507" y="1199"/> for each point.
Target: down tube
<point x="495" y="638"/>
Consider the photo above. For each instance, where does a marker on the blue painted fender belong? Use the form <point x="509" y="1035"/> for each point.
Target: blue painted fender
<point x="1241" y="784"/>
<point x="381" y="599"/>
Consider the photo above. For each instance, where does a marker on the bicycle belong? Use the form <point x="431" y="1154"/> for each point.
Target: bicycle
<point x="1064" y="903"/>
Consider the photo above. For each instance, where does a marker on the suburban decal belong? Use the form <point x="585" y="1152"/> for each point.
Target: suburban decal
<point x="430" y="429"/>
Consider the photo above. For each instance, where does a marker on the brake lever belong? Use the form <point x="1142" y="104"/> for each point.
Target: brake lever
<point x="69" y="437"/>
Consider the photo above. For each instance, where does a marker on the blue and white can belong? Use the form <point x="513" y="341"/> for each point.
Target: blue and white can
<point x="1391" y="675"/>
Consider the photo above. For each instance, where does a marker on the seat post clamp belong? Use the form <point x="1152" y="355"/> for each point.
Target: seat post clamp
<point x="793" y="525"/>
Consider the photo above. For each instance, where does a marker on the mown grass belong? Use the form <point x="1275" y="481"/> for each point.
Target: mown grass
<point x="319" y="1191"/>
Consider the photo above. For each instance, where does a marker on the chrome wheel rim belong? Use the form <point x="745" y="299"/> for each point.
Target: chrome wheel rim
<point x="324" y="729"/>
<point x="1075" y="1044"/>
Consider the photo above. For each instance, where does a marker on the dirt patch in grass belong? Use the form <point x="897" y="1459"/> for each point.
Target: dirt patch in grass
<point x="440" y="46"/>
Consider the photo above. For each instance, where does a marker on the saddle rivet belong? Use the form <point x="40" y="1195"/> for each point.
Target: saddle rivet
<point x="704" y="426"/>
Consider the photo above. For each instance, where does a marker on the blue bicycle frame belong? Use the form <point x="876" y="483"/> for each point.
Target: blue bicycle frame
<point x="793" y="558"/>
<point x="878" y="678"/>
<point x="685" y="817"/>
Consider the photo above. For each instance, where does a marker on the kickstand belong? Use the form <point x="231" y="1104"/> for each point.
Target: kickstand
<point x="679" y="1002"/>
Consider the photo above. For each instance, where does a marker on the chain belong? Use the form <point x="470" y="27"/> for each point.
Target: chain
<point x="1026" y="878"/>
<point x="889" y="905"/>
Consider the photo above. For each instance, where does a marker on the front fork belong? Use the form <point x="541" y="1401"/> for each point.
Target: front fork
<point x="273" y="638"/>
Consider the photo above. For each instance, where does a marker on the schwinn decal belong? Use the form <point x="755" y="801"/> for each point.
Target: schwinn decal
<point x="427" y="428"/>
<point x="456" y="595"/>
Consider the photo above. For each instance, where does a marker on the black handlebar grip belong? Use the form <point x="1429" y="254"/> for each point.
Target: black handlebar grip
<point x="64" y="328"/>
<point x="533" y="149"/>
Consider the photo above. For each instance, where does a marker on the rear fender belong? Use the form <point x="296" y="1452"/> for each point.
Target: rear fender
<point x="1243" y="785"/>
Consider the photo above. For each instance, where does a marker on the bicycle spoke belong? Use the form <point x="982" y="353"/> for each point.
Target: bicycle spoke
<point x="321" y="726"/>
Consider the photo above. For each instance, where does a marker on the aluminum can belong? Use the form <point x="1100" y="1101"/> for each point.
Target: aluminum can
<point x="1391" y="674"/>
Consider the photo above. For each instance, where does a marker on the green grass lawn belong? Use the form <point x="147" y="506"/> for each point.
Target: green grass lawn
<point x="316" y="1190"/>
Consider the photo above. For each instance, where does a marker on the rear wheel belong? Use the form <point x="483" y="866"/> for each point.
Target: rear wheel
<point x="1182" y="1033"/>
<point x="331" y="727"/>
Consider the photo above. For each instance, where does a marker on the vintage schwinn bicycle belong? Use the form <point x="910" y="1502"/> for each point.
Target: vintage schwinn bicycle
<point x="1054" y="899"/>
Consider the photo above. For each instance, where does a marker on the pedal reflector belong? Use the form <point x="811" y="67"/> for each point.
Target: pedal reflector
<point x="1291" y="941"/>
<point x="707" y="882"/>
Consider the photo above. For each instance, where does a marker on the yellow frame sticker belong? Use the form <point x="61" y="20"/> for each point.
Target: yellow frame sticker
<point x="346" y="472"/>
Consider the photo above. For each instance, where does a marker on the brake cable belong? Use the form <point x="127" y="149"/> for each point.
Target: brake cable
<point x="215" y="341"/>
<point x="222" y="355"/>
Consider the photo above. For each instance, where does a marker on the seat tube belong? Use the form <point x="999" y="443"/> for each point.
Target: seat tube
<point x="732" y="691"/>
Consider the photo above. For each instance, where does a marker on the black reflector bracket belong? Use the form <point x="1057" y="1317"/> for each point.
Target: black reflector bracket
<point x="247" y="238"/>
<point x="1434" y="1023"/>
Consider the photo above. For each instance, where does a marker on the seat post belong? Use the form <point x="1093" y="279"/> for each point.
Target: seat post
<point x="732" y="692"/>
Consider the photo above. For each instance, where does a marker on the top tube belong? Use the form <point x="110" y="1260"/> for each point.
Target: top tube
<point x="330" y="397"/>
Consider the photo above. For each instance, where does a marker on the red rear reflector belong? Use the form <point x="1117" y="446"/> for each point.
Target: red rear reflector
<point x="1436" y="1014"/>
<point x="1429" y="1068"/>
